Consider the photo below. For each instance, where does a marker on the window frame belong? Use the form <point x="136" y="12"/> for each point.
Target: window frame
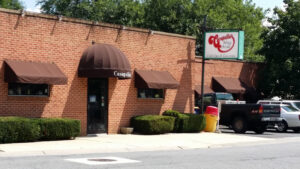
<point x="160" y="98"/>
<point x="21" y="95"/>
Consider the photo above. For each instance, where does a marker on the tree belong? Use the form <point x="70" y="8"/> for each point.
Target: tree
<point x="282" y="51"/>
<point x="11" y="4"/>
<point x="233" y="14"/>
<point x="124" y="12"/>
<point x="169" y="16"/>
<point x="174" y="16"/>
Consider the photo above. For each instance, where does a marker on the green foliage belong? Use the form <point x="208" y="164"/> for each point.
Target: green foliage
<point x="169" y="15"/>
<point x="153" y="124"/>
<point x="124" y="12"/>
<point x="58" y="128"/>
<point x="186" y="122"/>
<point x="176" y="114"/>
<point x="232" y="14"/>
<point x="11" y="4"/>
<point x="282" y="51"/>
<point x="172" y="113"/>
<point x="174" y="16"/>
<point x="18" y="129"/>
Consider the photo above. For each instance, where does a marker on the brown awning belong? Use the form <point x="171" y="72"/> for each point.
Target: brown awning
<point x="33" y="72"/>
<point x="103" y="60"/>
<point x="227" y="84"/>
<point x="155" y="79"/>
<point x="206" y="89"/>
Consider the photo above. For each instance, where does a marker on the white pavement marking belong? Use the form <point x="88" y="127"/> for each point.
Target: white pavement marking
<point x="102" y="160"/>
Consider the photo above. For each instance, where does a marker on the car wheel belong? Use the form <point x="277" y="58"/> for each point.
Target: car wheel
<point x="296" y="130"/>
<point x="282" y="126"/>
<point x="260" y="129"/>
<point x="239" y="125"/>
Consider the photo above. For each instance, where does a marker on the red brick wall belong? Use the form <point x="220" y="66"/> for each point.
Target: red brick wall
<point x="44" y="39"/>
<point x="246" y="71"/>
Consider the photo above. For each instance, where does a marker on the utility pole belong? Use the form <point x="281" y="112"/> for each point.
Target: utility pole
<point x="203" y="65"/>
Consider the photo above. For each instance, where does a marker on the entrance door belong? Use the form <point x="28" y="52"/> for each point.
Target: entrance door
<point x="97" y="106"/>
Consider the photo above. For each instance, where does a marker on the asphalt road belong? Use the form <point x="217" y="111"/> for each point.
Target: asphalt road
<point x="278" y="155"/>
<point x="270" y="133"/>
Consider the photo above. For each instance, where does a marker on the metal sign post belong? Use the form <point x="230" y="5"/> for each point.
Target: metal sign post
<point x="203" y="65"/>
<point x="219" y="111"/>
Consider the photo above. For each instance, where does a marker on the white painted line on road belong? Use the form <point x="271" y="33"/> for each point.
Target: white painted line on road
<point x="102" y="160"/>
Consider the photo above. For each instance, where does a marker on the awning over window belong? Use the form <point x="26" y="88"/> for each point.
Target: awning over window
<point x="155" y="79"/>
<point x="103" y="60"/>
<point x="227" y="84"/>
<point x="33" y="72"/>
<point x="206" y="89"/>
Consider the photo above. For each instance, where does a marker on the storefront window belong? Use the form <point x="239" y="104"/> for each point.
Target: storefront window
<point x="23" y="89"/>
<point x="151" y="93"/>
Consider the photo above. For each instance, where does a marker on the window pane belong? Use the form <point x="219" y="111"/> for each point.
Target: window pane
<point x="297" y="104"/>
<point x="207" y="100"/>
<point x="289" y="108"/>
<point x="22" y="89"/>
<point x="224" y="96"/>
<point x="150" y="93"/>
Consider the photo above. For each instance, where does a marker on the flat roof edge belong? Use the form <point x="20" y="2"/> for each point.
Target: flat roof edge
<point x="81" y="21"/>
<point x="199" y="58"/>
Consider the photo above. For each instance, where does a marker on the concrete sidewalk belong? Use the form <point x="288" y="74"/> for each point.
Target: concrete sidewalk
<point x="126" y="143"/>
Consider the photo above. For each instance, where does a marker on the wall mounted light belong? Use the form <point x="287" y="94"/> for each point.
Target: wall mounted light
<point x="23" y="12"/>
<point x="123" y="27"/>
<point x="60" y="17"/>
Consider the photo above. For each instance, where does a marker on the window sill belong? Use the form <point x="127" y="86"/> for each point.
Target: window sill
<point x="28" y="96"/>
<point x="150" y="98"/>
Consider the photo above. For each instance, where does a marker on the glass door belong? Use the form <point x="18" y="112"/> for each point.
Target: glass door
<point x="97" y="106"/>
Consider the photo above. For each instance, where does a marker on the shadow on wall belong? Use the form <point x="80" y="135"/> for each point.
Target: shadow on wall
<point x="76" y="103"/>
<point x="250" y="75"/>
<point x="24" y="106"/>
<point x="137" y="106"/>
<point x="185" y="93"/>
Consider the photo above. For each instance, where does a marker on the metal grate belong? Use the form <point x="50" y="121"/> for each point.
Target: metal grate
<point x="102" y="160"/>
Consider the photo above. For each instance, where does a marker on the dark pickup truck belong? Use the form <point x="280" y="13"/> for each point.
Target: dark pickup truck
<point x="242" y="117"/>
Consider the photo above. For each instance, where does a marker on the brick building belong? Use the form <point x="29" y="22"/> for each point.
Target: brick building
<point x="233" y="76"/>
<point x="50" y="68"/>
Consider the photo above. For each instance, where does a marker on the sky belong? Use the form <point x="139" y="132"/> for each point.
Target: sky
<point x="265" y="4"/>
<point x="30" y="5"/>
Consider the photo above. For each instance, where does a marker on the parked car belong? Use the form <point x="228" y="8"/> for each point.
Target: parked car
<point x="290" y="116"/>
<point x="241" y="116"/>
<point x="293" y="103"/>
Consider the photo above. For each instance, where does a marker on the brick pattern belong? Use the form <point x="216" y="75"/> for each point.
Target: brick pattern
<point x="246" y="71"/>
<point x="39" y="39"/>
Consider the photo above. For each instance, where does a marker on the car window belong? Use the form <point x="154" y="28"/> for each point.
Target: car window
<point x="275" y="102"/>
<point x="289" y="108"/>
<point x="224" y="96"/>
<point x="264" y="102"/>
<point x="207" y="100"/>
<point x="290" y="104"/>
<point x="297" y="104"/>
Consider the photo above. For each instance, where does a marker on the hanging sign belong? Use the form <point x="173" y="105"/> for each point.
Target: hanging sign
<point x="222" y="44"/>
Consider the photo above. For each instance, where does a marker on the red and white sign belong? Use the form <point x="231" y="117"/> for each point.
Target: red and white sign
<point x="221" y="45"/>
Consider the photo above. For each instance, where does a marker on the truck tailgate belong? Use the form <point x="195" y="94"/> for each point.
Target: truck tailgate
<point x="270" y="110"/>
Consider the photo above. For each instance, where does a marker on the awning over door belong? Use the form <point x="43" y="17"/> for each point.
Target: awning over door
<point x="227" y="84"/>
<point x="33" y="72"/>
<point x="104" y="60"/>
<point x="206" y="89"/>
<point x="155" y="79"/>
